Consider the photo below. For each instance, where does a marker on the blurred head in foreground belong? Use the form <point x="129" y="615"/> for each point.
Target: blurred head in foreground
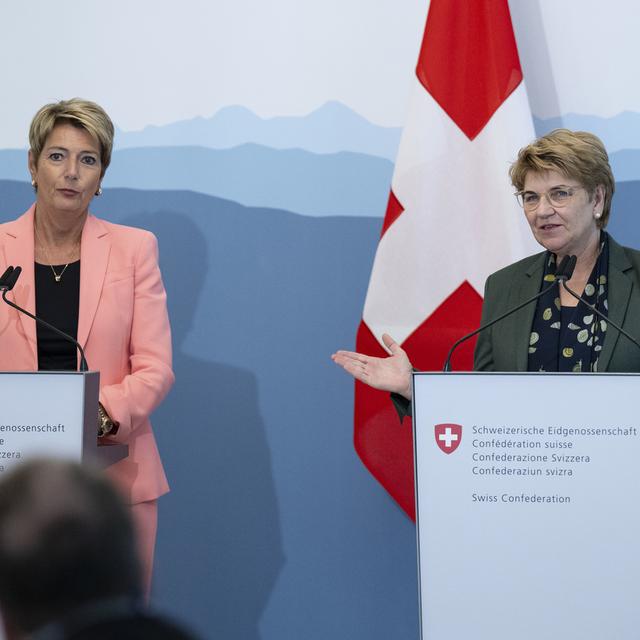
<point x="66" y="541"/>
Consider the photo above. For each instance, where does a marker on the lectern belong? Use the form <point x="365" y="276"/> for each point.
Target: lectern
<point x="52" y="414"/>
<point x="527" y="502"/>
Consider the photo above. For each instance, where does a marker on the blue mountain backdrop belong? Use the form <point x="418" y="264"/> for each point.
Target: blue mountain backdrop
<point x="621" y="131"/>
<point x="292" y="180"/>
<point x="329" y="162"/>
<point x="342" y="183"/>
<point x="620" y="134"/>
<point x="331" y="128"/>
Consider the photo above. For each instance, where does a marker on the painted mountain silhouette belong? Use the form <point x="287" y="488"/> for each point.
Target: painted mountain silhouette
<point x="621" y="131"/>
<point x="331" y="128"/>
<point x="293" y="180"/>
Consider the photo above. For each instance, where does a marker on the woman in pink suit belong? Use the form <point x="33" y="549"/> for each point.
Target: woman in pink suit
<point x="99" y="282"/>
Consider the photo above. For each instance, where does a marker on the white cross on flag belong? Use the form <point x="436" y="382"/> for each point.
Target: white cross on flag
<point x="452" y="218"/>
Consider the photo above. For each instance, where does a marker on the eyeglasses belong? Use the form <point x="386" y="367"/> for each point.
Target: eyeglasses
<point x="557" y="197"/>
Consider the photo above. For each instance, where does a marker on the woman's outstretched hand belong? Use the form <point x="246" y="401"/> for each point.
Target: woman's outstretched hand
<point x="391" y="374"/>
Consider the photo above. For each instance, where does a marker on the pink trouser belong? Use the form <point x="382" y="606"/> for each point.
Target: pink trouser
<point x="145" y="521"/>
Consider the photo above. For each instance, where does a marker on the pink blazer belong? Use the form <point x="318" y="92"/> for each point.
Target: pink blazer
<point x="123" y="326"/>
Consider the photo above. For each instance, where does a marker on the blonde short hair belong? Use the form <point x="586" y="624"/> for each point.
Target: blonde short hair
<point x="80" y="113"/>
<point x="575" y="154"/>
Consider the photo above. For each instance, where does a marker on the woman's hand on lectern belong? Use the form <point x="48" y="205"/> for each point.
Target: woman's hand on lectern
<point x="391" y="374"/>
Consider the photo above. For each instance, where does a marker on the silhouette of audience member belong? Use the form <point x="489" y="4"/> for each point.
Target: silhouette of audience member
<point x="68" y="563"/>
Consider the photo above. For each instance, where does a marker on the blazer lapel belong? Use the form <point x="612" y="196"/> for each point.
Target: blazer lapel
<point x="19" y="251"/>
<point x="94" y="257"/>
<point x="530" y="285"/>
<point x="620" y="287"/>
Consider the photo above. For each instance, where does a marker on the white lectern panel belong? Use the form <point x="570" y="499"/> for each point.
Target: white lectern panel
<point x="528" y="505"/>
<point x="47" y="414"/>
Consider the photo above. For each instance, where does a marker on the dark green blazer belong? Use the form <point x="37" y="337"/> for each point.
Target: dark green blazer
<point x="504" y="347"/>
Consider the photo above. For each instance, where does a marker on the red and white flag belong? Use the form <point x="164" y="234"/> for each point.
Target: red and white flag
<point x="452" y="218"/>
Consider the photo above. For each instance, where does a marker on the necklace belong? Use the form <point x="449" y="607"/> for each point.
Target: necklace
<point x="57" y="276"/>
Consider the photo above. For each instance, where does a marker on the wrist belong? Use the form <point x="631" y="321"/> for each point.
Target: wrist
<point x="407" y="391"/>
<point x="106" y="425"/>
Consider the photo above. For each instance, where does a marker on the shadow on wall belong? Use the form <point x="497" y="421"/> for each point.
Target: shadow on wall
<point x="275" y="293"/>
<point x="219" y="541"/>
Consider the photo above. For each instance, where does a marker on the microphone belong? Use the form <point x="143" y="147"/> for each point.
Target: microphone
<point x="570" y="267"/>
<point x="562" y="272"/>
<point x="7" y="281"/>
<point x="592" y="307"/>
<point x="12" y="278"/>
<point x="5" y="276"/>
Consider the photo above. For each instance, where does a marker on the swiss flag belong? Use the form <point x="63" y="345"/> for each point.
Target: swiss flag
<point x="452" y="218"/>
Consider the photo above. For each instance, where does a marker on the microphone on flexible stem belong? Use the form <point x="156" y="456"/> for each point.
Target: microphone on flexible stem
<point x="11" y="279"/>
<point x="567" y="272"/>
<point x="5" y="276"/>
<point x="7" y="281"/>
<point x="560" y="273"/>
<point x="592" y="307"/>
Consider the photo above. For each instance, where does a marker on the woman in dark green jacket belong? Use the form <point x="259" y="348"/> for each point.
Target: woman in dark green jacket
<point x="564" y="183"/>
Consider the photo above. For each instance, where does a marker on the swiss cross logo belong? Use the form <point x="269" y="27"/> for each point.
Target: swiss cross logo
<point x="448" y="436"/>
